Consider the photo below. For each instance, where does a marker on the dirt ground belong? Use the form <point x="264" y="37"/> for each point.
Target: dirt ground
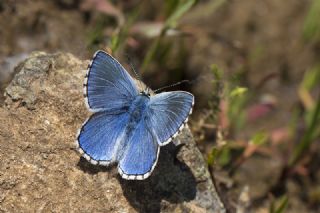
<point x="261" y="42"/>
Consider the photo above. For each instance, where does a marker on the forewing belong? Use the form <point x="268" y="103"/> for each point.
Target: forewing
<point x="100" y="137"/>
<point x="140" y="155"/>
<point x="108" y="86"/>
<point x="168" y="113"/>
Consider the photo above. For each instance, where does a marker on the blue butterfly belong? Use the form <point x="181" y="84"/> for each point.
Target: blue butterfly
<point x="127" y="126"/>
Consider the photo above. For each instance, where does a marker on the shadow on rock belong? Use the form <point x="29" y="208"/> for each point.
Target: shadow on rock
<point x="171" y="180"/>
<point x="87" y="167"/>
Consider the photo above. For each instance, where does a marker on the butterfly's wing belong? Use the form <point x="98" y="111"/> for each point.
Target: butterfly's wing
<point x="101" y="137"/>
<point x="108" y="86"/>
<point x="141" y="154"/>
<point x="168" y="113"/>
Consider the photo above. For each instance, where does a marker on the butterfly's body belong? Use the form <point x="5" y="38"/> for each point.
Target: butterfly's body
<point x="137" y="111"/>
<point x="127" y="127"/>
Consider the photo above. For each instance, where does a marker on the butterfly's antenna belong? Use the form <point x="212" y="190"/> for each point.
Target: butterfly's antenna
<point x="135" y="72"/>
<point x="200" y="78"/>
<point x="175" y="84"/>
<point x="132" y="68"/>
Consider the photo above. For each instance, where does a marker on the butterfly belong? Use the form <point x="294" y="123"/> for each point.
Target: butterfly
<point x="128" y="126"/>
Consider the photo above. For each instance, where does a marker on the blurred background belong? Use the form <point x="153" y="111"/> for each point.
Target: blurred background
<point x="254" y="67"/>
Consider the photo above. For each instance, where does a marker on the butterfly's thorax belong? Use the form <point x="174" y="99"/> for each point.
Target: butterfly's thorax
<point x="137" y="111"/>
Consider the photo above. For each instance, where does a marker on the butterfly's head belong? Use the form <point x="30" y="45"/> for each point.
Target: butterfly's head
<point x="146" y="92"/>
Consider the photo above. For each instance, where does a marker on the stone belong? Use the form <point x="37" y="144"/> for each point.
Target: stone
<point x="40" y="169"/>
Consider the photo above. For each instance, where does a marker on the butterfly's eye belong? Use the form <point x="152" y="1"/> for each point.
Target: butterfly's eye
<point x="145" y="92"/>
<point x="148" y="91"/>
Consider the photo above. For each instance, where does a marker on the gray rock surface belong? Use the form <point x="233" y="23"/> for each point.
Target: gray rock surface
<point x="41" y="171"/>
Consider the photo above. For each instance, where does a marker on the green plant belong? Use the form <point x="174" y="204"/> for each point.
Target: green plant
<point x="217" y="92"/>
<point x="280" y="205"/>
<point x="311" y="116"/>
<point x="180" y="8"/>
<point x="118" y="38"/>
<point x="311" y="133"/>
<point x="95" y="35"/>
<point x="311" y="28"/>
<point x="220" y="156"/>
<point x="237" y="99"/>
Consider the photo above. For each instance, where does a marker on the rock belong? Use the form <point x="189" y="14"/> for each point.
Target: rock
<point x="41" y="171"/>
